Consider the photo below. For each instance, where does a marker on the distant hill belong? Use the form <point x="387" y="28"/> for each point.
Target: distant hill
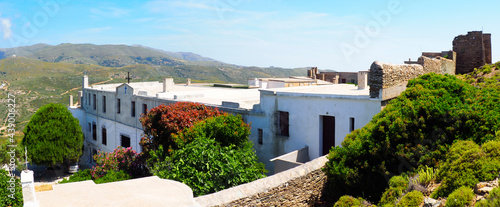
<point x="42" y="74"/>
<point x="108" y="55"/>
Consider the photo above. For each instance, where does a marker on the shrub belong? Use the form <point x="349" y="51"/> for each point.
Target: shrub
<point x="10" y="196"/>
<point x="121" y="159"/>
<point x="81" y="175"/>
<point x="162" y="121"/>
<point x="207" y="167"/>
<point x="460" y="197"/>
<point x="225" y="129"/>
<point x="348" y="201"/>
<point x="397" y="186"/>
<point x="53" y="136"/>
<point x="466" y="165"/>
<point x="414" y="129"/>
<point x="411" y="199"/>
<point x="426" y="174"/>
<point x="113" y="176"/>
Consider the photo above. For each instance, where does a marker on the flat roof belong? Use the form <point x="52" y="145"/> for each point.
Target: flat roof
<point x="331" y="91"/>
<point x="202" y="93"/>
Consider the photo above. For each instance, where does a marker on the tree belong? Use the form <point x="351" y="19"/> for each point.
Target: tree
<point x="162" y="121"/>
<point x="215" y="154"/>
<point x="11" y="193"/>
<point x="53" y="136"/>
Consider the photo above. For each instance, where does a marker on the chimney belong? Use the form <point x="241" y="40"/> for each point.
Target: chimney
<point x="362" y="80"/>
<point x="80" y="98"/>
<point x="85" y="83"/>
<point x="168" y="84"/>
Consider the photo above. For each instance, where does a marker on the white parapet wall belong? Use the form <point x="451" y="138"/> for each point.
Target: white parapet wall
<point x="28" y="185"/>
<point x="261" y="185"/>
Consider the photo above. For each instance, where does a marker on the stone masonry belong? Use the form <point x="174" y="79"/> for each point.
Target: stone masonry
<point x="473" y="51"/>
<point x="387" y="81"/>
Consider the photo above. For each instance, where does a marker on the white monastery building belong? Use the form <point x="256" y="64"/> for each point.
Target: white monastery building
<point x="286" y="114"/>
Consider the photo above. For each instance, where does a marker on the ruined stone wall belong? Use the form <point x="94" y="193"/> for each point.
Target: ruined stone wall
<point x="473" y="51"/>
<point x="387" y="81"/>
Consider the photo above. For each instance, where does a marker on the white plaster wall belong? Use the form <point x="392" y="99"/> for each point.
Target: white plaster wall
<point x="275" y="84"/>
<point x="305" y="115"/>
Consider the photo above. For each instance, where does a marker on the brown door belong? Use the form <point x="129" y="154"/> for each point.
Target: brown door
<point x="328" y="133"/>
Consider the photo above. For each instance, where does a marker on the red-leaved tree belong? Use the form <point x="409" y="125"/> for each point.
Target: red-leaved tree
<point x="161" y="122"/>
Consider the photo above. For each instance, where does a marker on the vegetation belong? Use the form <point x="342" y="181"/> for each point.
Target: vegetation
<point x="163" y="121"/>
<point x="53" y="136"/>
<point x="415" y="129"/>
<point x="411" y="199"/>
<point x="397" y="187"/>
<point x="467" y="164"/>
<point x="120" y="160"/>
<point x="214" y="154"/>
<point x="348" y="201"/>
<point x="460" y="197"/>
<point x="11" y="193"/>
<point x="425" y="175"/>
<point x="81" y="175"/>
<point x="492" y="200"/>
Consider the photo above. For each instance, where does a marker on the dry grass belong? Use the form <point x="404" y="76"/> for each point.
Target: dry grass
<point x="43" y="187"/>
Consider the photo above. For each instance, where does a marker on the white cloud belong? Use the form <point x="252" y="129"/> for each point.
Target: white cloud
<point x="109" y="12"/>
<point x="5" y="25"/>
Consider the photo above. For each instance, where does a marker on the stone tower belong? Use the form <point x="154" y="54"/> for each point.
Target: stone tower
<point x="473" y="51"/>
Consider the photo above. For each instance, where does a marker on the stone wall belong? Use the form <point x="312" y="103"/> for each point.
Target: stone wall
<point x="298" y="186"/>
<point x="473" y="51"/>
<point x="387" y="80"/>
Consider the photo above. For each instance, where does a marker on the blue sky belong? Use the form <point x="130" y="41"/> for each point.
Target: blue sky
<point x="339" y="35"/>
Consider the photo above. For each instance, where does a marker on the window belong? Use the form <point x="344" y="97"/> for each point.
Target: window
<point x="94" y="152"/>
<point x="104" y="136"/>
<point x="103" y="104"/>
<point x="94" y="131"/>
<point x="351" y="124"/>
<point x="90" y="128"/>
<point x="88" y="100"/>
<point x="283" y="123"/>
<point x="261" y="136"/>
<point x="119" y="106"/>
<point x="125" y="141"/>
<point x="95" y="104"/>
<point x="144" y="109"/>
<point x="132" y="112"/>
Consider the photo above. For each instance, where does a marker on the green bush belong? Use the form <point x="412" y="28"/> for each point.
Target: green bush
<point x="348" y="201"/>
<point x="53" y="136"/>
<point x="460" y="197"/>
<point x="226" y="129"/>
<point x="411" y="199"/>
<point x="426" y="174"/>
<point x="466" y="165"/>
<point x="81" y="175"/>
<point x="113" y="176"/>
<point x="207" y="167"/>
<point x="416" y="128"/>
<point x="397" y="186"/>
<point x="11" y="193"/>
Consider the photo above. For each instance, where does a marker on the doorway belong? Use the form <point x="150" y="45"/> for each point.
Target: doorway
<point x="328" y="133"/>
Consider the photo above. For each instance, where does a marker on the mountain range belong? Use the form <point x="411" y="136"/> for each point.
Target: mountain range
<point x="41" y="73"/>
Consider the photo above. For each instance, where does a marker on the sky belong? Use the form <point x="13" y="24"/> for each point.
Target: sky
<point x="328" y="34"/>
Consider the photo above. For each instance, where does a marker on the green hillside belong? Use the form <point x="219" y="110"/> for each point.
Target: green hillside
<point x="108" y="55"/>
